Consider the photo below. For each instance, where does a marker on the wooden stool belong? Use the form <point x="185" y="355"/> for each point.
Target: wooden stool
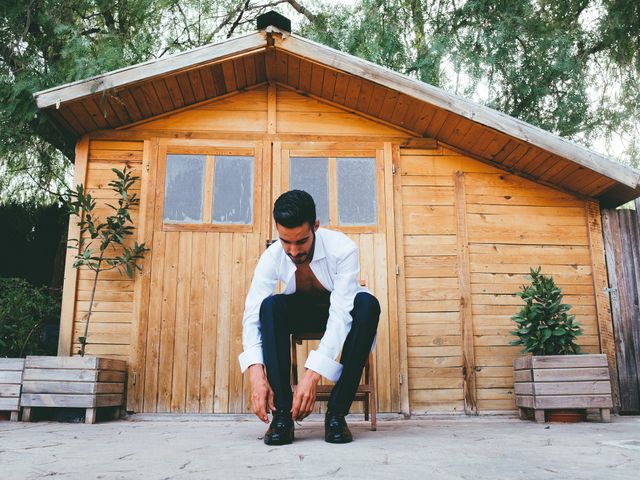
<point x="366" y="392"/>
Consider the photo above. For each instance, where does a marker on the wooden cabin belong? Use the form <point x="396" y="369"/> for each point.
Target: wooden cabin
<point x="450" y="202"/>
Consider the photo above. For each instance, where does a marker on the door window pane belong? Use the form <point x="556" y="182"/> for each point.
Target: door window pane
<point x="357" y="203"/>
<point x="233" y="189"/>
<point x="184" y="189"/>
<point x="311" y="174"/>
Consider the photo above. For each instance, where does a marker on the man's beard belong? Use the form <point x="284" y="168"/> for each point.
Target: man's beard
<point x="299" y="259"/>
<point x="303" y="257"/>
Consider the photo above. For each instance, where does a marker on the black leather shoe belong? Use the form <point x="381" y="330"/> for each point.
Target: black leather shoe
<point x="336" y="429"/>
<point x="280" y="431"/>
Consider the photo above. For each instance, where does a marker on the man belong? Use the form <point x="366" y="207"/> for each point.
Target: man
<point x="320" y="271"/>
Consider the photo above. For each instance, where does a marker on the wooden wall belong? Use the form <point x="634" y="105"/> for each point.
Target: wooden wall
<point x="470" y="233"/>
<point x="509" y="225"/>
<point x="112" y="317"/>
<point x="249" y="112"/>
<point x="622" y="246"/>
<point x="183" y="349"/>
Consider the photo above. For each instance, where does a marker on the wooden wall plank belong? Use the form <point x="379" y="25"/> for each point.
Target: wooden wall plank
<point x="197" y="300"/>
<point x="466" y="317"/>
<point x="272" y="102"/>
<point x="328" y="83"/>
<point x="293" y="72"/>
<point x="208" y="83"/>
<point x="305" y="75"/>
<point x="340" y="90"/>
<point x="603" y="305"/>
<point x="195" y="80"/>
<point x="229" y="74"/>
<point x="405" y="407"/>
<point x="255" y="246"/>
<point x="241" y="77"/>
<point x="114" y="108"/>
<point x="384" y="365"/>
<point x="71" y="274"/>
<point x="210" y="322"/>
<point x="388" y="105"/>
<point x="218" y="78"/>
<point x="225" y="269"/>
<point x="281" y="66"/>
<point x="79" y="111"/>
<point x="164" y="95"/>
<point x="186" y="90"/>
<point x="239" y="254"/>
<point x="154" y="325"/>
<point x="365" y="95"/>
<point x="168" y="321"/>
<point x="151" y="97"/>
<point x="99" y="115"/>
<point x="397" y="333"/>
<point x="136" y="374"/>
<point x="620" y="300"/>
<point x="130" y="105"/>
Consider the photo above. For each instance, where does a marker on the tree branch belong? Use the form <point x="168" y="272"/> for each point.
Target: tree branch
<point x="302" y="10"/>
<point x="238" y="18"/>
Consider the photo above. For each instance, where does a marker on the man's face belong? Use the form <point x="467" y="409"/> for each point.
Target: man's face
<point x="298" y="241"/>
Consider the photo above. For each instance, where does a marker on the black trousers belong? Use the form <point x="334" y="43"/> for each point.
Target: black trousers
<point x="282" y="315"/>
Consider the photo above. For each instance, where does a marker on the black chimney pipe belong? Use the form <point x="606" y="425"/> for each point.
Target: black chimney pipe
<point x="273" y="18"/>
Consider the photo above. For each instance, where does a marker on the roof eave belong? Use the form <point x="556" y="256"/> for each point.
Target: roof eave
<point x="458" y="105"/>
<point x="626" y="176"/>
<point x="144" y="71"/>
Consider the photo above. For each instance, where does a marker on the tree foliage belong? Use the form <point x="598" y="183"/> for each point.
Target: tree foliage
<point x="32" y="243"/>
<point x="24" y="311"/>
<point x="570" y="67"/>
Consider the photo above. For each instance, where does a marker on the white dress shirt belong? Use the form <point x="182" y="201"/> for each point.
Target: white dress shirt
<point x="336" y="265"/>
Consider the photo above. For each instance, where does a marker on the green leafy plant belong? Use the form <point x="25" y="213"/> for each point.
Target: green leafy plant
<point x="544" y="325"/>
<point x="24" y="311"/>
<point x="102" y="244"/>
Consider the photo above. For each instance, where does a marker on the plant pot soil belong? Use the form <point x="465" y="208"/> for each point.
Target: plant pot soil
<point x="566" y="415"/>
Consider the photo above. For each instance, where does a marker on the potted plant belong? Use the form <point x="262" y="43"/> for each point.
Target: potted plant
<point x="555" y="374"/>
<point x="82" y="381"/>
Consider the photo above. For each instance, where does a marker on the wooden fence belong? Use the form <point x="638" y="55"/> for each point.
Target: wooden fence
<point x="621" y="229"/>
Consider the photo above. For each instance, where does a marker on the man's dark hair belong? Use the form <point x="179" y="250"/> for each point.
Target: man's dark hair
<point x="294" y="208"/>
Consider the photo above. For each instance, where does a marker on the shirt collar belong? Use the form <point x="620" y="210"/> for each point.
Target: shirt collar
<point x="318" y="251"/>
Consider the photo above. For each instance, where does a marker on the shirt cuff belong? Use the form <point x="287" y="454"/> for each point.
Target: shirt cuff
<point x="250" y="357"/>
<point x="325" y="366"/>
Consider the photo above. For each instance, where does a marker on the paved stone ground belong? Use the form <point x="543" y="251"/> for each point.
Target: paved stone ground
<point x="212" y="447"/>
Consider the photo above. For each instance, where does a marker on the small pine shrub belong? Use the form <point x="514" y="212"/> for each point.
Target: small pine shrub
<point x="544" y="325"/>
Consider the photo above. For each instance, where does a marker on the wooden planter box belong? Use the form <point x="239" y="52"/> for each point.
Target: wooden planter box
<point x="10" y="383"/>
<point x="73" y="382"/>
<point x="562" y="382"/>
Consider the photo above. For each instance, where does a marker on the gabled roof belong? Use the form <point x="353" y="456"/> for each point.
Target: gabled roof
<point x="140" y="92"/>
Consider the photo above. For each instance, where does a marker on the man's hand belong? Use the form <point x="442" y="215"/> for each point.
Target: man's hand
<point x="261" y="393"/>
<point x="304" y="398"/>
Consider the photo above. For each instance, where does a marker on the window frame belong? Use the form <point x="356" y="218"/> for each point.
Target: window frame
<point x="210" y="152"/>
<point x="332" y="153"/>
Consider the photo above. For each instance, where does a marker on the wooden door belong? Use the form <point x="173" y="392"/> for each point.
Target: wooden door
<point x="351" y="186"/>
<point x="206" y="223"/>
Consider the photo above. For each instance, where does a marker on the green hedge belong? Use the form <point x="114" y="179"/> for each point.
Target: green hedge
<point x="25" y="312"/>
